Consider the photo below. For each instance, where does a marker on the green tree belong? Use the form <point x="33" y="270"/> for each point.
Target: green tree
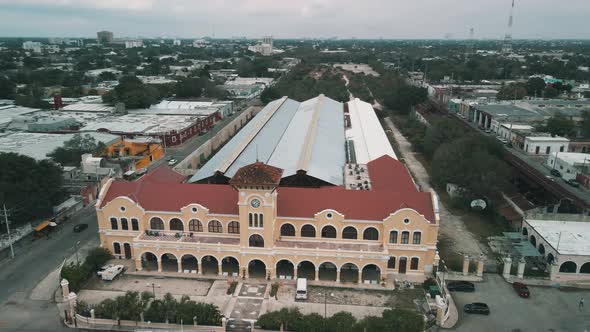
<point x="535" y="86"/>
<point x="559" y="125"/>
<point x="440" y="132"/>
<point x="71" y="153"/>
<point x="585" y="124"/>
<point x="98" y="257"/>
<point x="133" y="93"/>
<point x="404" y="97"/>
<point x="403" y="320"/>
<point x="550" y="92"/>
<point x="311" y="323"/>
<point x="341" y="322"/>
<point x="268" y="95"/>
<point x="169" y="306"/>
<point x="107" y="76"/>
<point x="7" y="88"/>
<point x="513" y="91"/>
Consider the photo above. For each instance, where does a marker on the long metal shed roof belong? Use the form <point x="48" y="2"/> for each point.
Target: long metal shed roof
<point x="294" y="136"/>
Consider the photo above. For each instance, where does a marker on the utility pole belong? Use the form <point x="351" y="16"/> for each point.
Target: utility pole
<point x="8" y="230"/>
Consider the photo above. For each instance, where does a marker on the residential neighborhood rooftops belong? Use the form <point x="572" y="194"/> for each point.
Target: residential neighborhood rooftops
<point x="566" y="237"/>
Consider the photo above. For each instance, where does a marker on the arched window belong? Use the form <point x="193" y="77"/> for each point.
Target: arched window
<point x="585" y="268"/>
<point x="405" y="237"/>
<point x="541" y="249"/>
<point x="287" y="230"/>
<point x="250" y="220"/>
<point x="176" y="225"/>
<point x="117" y="248"/>
<point x="371" y="233"/>
<point x="233" y="227"/>
<point x="255" y="219"/>
<point x="568" y="267"/>
<point x="214" y="226"/>
<point x="114" y="224"/>
<point x="416" y="237"/>
<point x="393" y="237"/>
<point x="195" y="225"/>
<point x="256" y="241"/>
<point x="525" y="231"/>
<point x="124" y="224"/>
<point x="349" y="233"/>
<point x="261" y="219"/>
<point x="391" y="263"/>
<point x="414" y="263"/>
<point x="156" y="223"/>
<point x="329" y="232"/>
<point x="307" y="231"/>
<point x="134" y="224"/>
<point x="533" y="240"/>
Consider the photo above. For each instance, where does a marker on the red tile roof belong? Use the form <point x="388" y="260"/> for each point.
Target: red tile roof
<point x="392" y="190"/>
<point x="162" y="174"/>
<point x="257" y="174"/>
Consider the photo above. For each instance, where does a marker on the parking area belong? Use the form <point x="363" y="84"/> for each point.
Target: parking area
<point x="548" y="309"/>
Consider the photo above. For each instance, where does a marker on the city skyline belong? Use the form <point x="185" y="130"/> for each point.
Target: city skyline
<point x="308" y="18"/>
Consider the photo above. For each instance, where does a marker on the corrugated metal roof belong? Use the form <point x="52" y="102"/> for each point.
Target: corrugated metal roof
<point x="290" y="135"/>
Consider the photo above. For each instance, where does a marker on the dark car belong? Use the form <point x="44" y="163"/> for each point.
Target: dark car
<point x="521" y="289"/>
<point x="80" y="227"/>
<point x="573" y="183"/>
<point x="555" y="172"/>
<point x="477" y="308"/>
<point x="461" y="286"/>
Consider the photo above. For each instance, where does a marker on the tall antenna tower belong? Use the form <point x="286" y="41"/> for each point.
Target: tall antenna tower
<point x="507" y="46"/>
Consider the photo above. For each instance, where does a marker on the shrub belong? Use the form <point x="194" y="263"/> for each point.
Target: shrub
<point x="232" y="287"/>
<point x="274" y="289"/>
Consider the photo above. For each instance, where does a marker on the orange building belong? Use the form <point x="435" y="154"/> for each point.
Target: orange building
<point x="143" y="150"/>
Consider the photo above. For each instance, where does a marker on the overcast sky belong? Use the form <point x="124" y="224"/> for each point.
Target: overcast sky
<point x="295" y="18"/>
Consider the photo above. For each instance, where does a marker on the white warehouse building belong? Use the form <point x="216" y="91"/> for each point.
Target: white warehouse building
<point x="569" y="164"/>
<point x="545" y="145"/>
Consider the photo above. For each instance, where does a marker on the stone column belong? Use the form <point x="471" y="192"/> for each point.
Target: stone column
<point x="179" y="262"/>
<point x="317" y="274"/>
<point x="337" y="275"/>
<point x="72" y="298"/>
<point x="295" y="272"/>
<point x="223" y="323"/>
<point x="360" y="277"/>
<point x="219" y="270"/>
<point x="138" y="265"/>
<point x="521" y="265"/>
<point x="480" y="266"/>
<point x="436" y="263"/>
<point x="553" y="270"/>
<point x="507" y="266"/>
<point x="93" y="314"/>
<point x="465" y="265"/>
<point x="199" y="267"/>
<point x="159" y="265"/>
<point x="65" y="288"/>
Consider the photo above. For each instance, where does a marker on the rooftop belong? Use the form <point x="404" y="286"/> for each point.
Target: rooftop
<point x="572" y="157"/>
<point x="141" y="123"/>
<point x="566" y="237"/>
<point x="257" y="174"/>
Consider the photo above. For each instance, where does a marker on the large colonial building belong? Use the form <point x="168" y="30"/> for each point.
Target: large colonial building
<point x="308" y="189"/>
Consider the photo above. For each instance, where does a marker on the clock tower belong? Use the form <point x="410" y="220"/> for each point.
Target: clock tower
<point x="257" y="200"/>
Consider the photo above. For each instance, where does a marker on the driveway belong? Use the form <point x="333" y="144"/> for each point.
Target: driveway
<point x="548" y="309"/>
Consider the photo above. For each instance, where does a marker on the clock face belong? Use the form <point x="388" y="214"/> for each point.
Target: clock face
<point x="255" y="203"/>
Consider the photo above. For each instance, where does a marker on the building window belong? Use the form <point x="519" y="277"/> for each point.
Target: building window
<point x="176" y="225"/>
<point x="156" y="223"/>
<point x="250" y="224"/>
<point x="233" y="227"/>
<point x="255" y="219"/>
<point x="329" y="215"/>
<point x="195" y="225"/>
<point x="307" y="231"/>
<point x="117" y="248"/>
<point x="256" y="241"/>
<point x="561" y="148"/>
<point x="114" y="224"/>
<point x="371" y="233"/>
<point x="548" y="150"/>
<point x="124" y="224"/>
<point x="194" y="209"/>
<point x="122" y="208"/>
<point x="349" y="233"/>
<point x="214" y="226"/>
<point x="287" y="230"/>
<point x="405" y="237"/>
<point x="393" y="237"/>
<point x="416" y="237"/>
<point x="407" y="221"/>
<point x="391" y="263"/>
<point x="173" y="139"/>
<point x="414" y="263"/>
<point x="261" y="220"/>
<point x="134" y="224"/>
<point x="329" y="232"/>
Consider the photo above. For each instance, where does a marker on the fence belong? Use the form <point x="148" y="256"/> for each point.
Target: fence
<point x="128" y="325"/>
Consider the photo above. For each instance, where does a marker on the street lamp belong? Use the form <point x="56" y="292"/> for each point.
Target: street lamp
<point x="326" y="305"/>
<point x="153" y="285"/>
<point x="76" y="246"/>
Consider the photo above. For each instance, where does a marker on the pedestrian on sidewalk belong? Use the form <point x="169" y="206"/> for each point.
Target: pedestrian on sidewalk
<point x="581" y="304"/>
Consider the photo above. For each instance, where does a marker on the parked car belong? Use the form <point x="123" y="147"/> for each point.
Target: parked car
<point x="141" y="171"/>
<point x="477" y="308"/>
<point x="112" y="272"/>
<point x="573" y="183"/>
<point x="104" y="268"/>
<point x="555" y="172"/>
<point x="80" y="227"/>
<point x="461" y="286"/>
<point x="172" y="162"/>
<point x="521" y="289"/>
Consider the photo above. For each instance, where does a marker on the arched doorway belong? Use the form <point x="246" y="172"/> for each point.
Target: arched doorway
<point x="550" y="258"/>
<point x="285" y="269"/>
<point x="307" y="231"/>
<point x="189" y="264"/>
<point x="176" y="225"/>
<point x="257" y="269"/>
<point x="329" y="232"/>
<point x="169" y="263"/>
<point x="371" y="233"/>
<point x="403" y="264"/>
<point x="210" y="265"/>
<point x="327" y="271"/>
<point x="127" y="249"/>
<point x="149" y="261"/>
<point x="525" y="231"/>
<point x="349" y="273"/>
<point x="306" y="269"/>
<point x="230" y="266"/>
<point x="533" y="240"/>
<point x="585" y="268"/>
<point x="372" y="273"/>
<point x="349" y="233"/>
<point x="541" y="249"/>
<point x="256" y="240"/>
<point x="568" y="267"/>
<point x="287" y="230"/>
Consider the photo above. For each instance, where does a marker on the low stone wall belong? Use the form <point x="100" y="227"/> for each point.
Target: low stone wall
<point x="101" y="324"/>
<point x="191" y="163"/>
<point x="15" y="235"/>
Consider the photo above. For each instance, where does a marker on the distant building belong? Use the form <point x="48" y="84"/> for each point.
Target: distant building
<point x="133" y="43"/>
<point x="264" y="46"/>
<point x="177" y="42"/>
<point x="35" y="47"/>
<point x="569" y="164"/>
<point x="104" y="37"/>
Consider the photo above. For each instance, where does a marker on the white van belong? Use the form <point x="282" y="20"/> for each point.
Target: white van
<point x="301" y="293"/>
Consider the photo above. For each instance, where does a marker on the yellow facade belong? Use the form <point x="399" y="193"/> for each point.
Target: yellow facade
<point x="148" y="152"/>
<point x="332" y="253"/>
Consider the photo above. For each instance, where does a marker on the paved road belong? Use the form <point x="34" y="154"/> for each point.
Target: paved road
<point x="548" y="309"/>
<point x="33" y="262"/>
